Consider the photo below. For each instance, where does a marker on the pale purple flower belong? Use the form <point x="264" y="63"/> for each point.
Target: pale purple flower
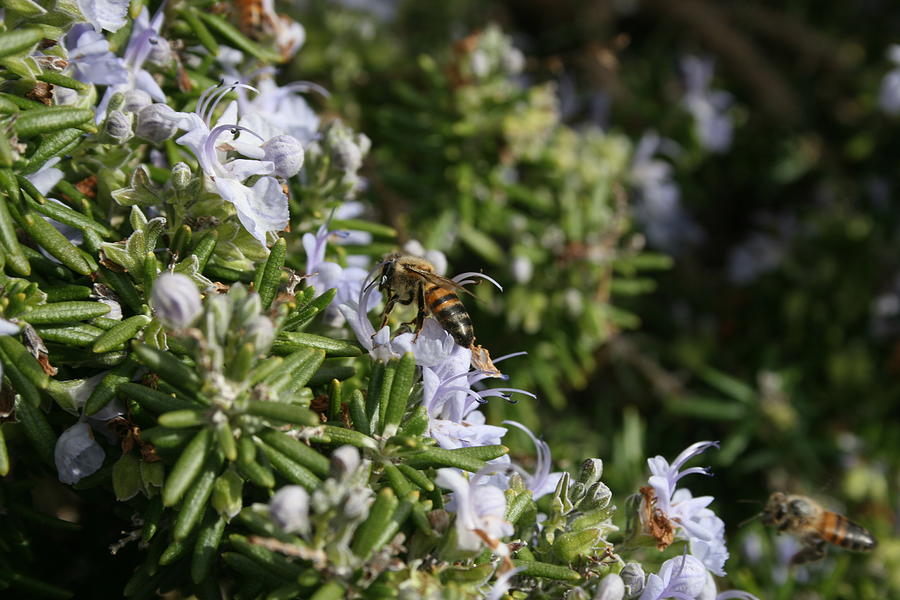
<point x="91" y="60"/>
<point x="658" y="204"/>
<point x="756" y="255"/>
<point x="707" y="536"/>
<point x="682" y="577"/>
<point x="708" y="107"/>
<point x="277" y="110"/>
<point x="710" y="592"/>
<point x="46" y="178"/>
<point x="451" y="402"/>
<point x="694" y="521"/>
<point x="175" y="300"/>
<point x="543" y="482"/>
<point x="289" y="508"/>
<point x="8" y="327"/>
<point x="144" y="36"/>
<point x="77" y="454"/>
<point x="324" y="275"/>
<point x="110" y="15"/>
<point x="262" y="207"/>
<point x="889" y="92"/>
<point x="480" y="509"/>
<point x="665" y="477"/>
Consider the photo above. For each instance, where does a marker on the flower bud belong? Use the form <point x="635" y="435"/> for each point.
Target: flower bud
<point x="117" y="128"/>
<point x="226" y="495"/>
<point x="175" y="300"/>
<point x="260" y="333"/>
<point x="632" y="575"/>
<point x="135" y="100"/>
<point x="522" y="269"/>
<point x="181" y="176"/>
<point x="116" y="101"/>
<point x="160" y="52"/>
<point x="344" y="461"/>
<point x="77" y="455"/>
<point x="357" y="505"/>
<point x="286" y="153"/>
<point x="611" y="588"/>
<point x="596" y="496"/>
<point x="709" y="590"/>
<point x="156" y="123"/>
<point x="289" y="508"/>
<point x="591" y="471"/>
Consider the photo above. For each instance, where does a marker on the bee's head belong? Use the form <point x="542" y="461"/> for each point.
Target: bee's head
<point x="775" y="510"/>
<point x="387" y="272"/>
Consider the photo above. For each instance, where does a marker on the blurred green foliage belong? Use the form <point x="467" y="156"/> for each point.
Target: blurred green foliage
<point x="793" y="367"/>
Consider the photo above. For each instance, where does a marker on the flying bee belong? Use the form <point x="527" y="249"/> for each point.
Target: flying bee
<point x="409" y="279"/>
<point x="815" y="526"/>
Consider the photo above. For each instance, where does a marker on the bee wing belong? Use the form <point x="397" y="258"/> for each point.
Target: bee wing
<point x="439" y="280"/>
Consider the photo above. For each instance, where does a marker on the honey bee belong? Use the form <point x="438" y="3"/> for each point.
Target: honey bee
<point x="815" y="526"/>
<point x="408" y="279"/>
<point x="250" y="15"/>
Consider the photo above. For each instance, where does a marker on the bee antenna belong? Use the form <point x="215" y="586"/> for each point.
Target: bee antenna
<point x="748" y="501"/>
<point x="745" y="521"/>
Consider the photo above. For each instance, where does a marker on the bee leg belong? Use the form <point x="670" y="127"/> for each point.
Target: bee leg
<point x="420" y="316"/>
<point x="812" y="552"/>
<point x="385" y="313"/>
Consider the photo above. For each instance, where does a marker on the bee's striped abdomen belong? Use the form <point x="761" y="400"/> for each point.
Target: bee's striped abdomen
<point x="449" y="311"/>
<point x="841" y="531"/>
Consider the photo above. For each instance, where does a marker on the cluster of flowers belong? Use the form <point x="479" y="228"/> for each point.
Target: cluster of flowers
<point x="225" y="336"/>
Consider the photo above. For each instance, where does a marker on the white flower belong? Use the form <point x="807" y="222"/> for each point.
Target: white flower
<point x="325" y="275"/>
<point x="612" y="587"/>
<point x="709" y="592"/>
<point x="77" y="454"/>
<point x="8" y="327"/>
<point x="658" y="205"/>
<point x="690" y="516"/>
<point x="91" y="60"/>
<point x="110" y="15"/>
<point x="262" y="207"/>
<point x="277" y="110"/>
<point x="176" y="300"/>
<point x="46" y="178"/>
<point x="543" y="482"/>
<point x="889" y="93"/>
<point x="709" y="545"/>
<point x="144" y="36"/>
<point x="479" y="512"/>
<point x="289" y="508"/>
<point x="683" y="577"/>
<point x="708" y="107"/>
